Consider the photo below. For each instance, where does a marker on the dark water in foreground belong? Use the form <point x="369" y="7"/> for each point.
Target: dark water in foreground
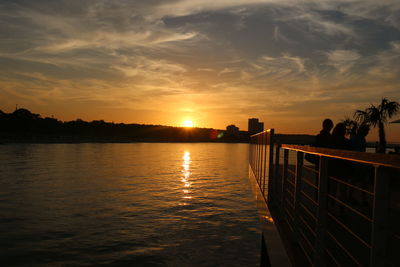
<point x="127" y="204"/>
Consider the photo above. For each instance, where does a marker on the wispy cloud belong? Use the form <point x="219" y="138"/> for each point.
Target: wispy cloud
<point x="343" y="60"/>
<point x="250" y="58"/>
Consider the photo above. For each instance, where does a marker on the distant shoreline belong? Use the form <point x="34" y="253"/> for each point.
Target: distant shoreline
<point x="6" y="142"/>
<point x="23" y="126"/>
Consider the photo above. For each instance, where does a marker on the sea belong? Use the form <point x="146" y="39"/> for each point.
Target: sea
<point x="134" y="204"/>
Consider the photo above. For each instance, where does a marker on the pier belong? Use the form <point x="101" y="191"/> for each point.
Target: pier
<point x="324" y="207"/>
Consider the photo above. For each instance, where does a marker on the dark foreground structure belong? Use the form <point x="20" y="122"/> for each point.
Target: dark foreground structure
<point x="324" y="207"/>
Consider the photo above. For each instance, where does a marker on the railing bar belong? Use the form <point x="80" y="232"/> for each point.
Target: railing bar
<point x="259" y="146"/>
<point x="308" y="211"/>
<point x="308" y="226"/>
<point x="288" y="213"/>
<point x="321" y="225"/>
<point x="305" y="253"/>
<point x="263" y="163"/>
<point x="394" y="235"/>
<point x="291" y="171"/>
<point x="284" y="174"/>
<point x="290" y="182"/>
<point x="310" y="169"/>
<point x="289" y="224"/>
<point x="271" y="180"/>
<point x="297" y="193"/>
<point x="290" y="204"/>
<point x="343" y="248"/>
<point x="380" y="216"/>
<point x="290" y="193"/>
<point x="309" y="183"/>
<point x="332" y="257"/>
<point x="292" y="185"/>
<point x="354" y="156"/>
<point x="307" y="241"/>
<point x="256" y="159"/>
<point x="276" y="169"/>
<point x="350" y="208"/>
<point x="350" y="185"/>
<point x="308" y="197"/>
<point x="350" y="231"/>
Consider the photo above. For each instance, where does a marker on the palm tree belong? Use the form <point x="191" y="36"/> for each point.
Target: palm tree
<point x="378" y="116"/>
<point x="351" y="126"/>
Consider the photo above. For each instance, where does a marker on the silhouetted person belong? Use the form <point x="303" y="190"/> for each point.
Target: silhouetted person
<point x="324" y="138"/>
<point x="358" y="142"/>
<point x="362" y="174"/>
<point x="337" y="168"/>
<point x="339" y="141"/>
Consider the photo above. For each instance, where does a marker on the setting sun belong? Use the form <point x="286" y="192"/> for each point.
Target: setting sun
<point x="187" y="123"/>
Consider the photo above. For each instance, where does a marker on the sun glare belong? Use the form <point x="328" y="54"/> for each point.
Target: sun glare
<point x="187" y="123"/>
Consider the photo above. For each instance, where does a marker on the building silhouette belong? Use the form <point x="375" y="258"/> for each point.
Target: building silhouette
<point x="255" y="126"/>
<point x="232" y="130"/>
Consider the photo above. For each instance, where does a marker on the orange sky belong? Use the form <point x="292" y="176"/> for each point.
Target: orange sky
<point x="289" y="63"/>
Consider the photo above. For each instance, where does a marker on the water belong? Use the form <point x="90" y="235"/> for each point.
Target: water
<point x="127" y="204"/>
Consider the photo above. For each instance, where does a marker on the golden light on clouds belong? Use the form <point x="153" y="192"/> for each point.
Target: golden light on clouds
<point x="224" y="61"/>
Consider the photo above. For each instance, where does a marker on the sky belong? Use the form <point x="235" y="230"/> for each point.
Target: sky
<point x="215" y="62"/>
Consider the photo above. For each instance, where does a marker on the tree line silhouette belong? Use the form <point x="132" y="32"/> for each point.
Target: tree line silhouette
<point x="25" y="126"/>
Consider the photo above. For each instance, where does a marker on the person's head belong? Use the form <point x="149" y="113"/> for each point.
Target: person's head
<point x="327" y="125"/>
<point x="339" y="130"/>
<point x="363" y="130"/>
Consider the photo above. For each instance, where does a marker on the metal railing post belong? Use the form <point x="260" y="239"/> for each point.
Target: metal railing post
<point x="257" y="157"/>
<point x="251" y="153"/>
<point x="284" y="176"/>
<point x="380" y="217"/>
<point x="297" y="193"/>
<point x="262" y="165"/>
<point x="270" y="163"/>
<point x="276" y="173"/>
<point x="322" y="212"/>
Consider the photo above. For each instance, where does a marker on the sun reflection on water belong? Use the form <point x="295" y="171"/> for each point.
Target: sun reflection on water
<point x="186" y="174"/>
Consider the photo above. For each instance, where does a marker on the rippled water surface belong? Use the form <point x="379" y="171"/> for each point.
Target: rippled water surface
<point x="127" y="204"/>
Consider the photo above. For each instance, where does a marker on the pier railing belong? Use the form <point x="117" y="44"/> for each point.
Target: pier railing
<point x="330" y="207"/>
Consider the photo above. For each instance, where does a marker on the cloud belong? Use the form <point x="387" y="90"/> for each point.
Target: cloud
<point x="343" y="60"/>
<point x="141" y="66"/>
<point x="267" y="57"/>
<point x="283" y="67"/>
<point x="186" y="7"/>
<point x="278" y="36"/>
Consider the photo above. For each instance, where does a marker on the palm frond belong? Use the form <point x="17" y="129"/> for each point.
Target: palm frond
<point x="391" y="108"/>
<point x="360" y="116"/>
<point x="373" y="115"/>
